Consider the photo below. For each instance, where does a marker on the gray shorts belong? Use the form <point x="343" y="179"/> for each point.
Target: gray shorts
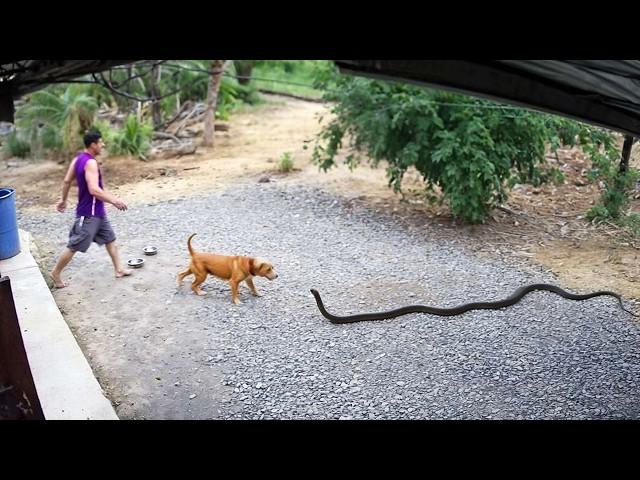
<point x="90" y="229"/>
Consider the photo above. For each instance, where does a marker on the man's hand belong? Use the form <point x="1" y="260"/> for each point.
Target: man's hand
<point x="119" y="204"/>
<point x="61" y="206"/>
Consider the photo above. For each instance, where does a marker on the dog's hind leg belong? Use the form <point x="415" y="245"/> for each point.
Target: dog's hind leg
<point x="181" y="275"/>
<point x="200" y="277"/>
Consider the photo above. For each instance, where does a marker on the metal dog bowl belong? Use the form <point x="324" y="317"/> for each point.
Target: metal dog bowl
<point x="150" y="250"/>
<point x="135" y="262"/>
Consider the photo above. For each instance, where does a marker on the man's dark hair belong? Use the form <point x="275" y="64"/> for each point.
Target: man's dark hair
<point x="92" y="136"/>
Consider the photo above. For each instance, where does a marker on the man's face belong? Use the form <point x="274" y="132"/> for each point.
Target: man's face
<point x="97" y="147"/>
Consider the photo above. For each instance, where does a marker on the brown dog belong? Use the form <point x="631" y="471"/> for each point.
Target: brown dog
<point x="234" y="269"/>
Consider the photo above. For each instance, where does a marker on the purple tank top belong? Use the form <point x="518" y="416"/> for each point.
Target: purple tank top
<point x="88" y="205"/>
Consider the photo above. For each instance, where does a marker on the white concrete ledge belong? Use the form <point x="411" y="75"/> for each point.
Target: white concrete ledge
<point x="65" y="383"/>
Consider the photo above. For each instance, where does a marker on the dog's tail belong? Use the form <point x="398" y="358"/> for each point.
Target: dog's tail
<point x="191" y="252"/>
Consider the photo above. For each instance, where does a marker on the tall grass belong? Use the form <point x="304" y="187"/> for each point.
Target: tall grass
<point x="134" y="138"/>
<point x="302" y="72"/>
<point x="14" y="145"/>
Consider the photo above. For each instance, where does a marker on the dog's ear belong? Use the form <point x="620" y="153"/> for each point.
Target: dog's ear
<point x="261" y="265"/>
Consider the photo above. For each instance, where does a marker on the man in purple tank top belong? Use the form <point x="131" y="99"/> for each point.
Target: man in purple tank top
<point x="91" y="224"/>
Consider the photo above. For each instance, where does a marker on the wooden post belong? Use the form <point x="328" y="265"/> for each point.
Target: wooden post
<point x="19" y="397"/>
<point x="208" y="135"/>
<point x="7" y="108"/>
<point x="154" y="92"/>
<point x="626" y="153"/>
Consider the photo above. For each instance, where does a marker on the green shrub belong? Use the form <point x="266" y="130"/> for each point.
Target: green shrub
<point x="598" y="212"/>
<point x="15" y="146"/>
<point x="56" y="119"/>
<point x="286" y="163"/>
<point x="134" y="138"/>
<point x="631" y="223"/>
<point x="472" y="150"/>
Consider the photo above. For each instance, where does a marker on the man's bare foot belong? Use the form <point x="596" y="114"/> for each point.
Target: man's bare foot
<point x="125" y="272"/>
<point x="57" y="281"/>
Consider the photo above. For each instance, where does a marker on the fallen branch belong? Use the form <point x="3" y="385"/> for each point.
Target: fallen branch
<point x="198" y="109"/>
<point x="174" y="150"/>
<point x="507" y="233"/>
<point x="182" y="109"/>
<point x="568" y="215"/>
<point x="505" y="209"/>
<point x="513" y="212"/>
<point x="164" y="135"/>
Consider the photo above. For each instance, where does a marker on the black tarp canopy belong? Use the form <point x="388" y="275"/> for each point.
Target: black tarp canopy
<point x="600" y="92"/>
<point x="19" y="77"/>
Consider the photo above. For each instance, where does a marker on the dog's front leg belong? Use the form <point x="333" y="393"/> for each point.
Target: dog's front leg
<point x="234" y="291"/>
<point x="252" y="287"/>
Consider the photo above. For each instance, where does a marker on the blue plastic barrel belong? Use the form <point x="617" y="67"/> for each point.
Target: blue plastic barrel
<point x="9" y="238"/>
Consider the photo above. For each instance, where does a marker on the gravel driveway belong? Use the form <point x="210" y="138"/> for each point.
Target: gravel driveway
<point x="161" y="352"/>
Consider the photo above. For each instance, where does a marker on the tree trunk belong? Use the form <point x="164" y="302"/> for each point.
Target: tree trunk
<point x="124" y="104"/>
<point x="217" y="67"/>
<point x="154" y="92"/>
<point x="626" y="153"/>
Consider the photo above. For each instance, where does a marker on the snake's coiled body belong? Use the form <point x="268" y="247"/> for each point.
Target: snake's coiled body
<point x="512" y="299"/>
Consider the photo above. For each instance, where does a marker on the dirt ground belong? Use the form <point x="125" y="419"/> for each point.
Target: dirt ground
<point x="545" y="226"/>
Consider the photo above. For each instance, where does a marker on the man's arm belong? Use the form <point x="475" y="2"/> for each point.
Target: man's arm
<point x="92" y="176"/>
<point x="66" y="185"/>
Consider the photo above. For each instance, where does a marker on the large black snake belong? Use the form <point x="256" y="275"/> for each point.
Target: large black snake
<point x="514" y="298"/>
